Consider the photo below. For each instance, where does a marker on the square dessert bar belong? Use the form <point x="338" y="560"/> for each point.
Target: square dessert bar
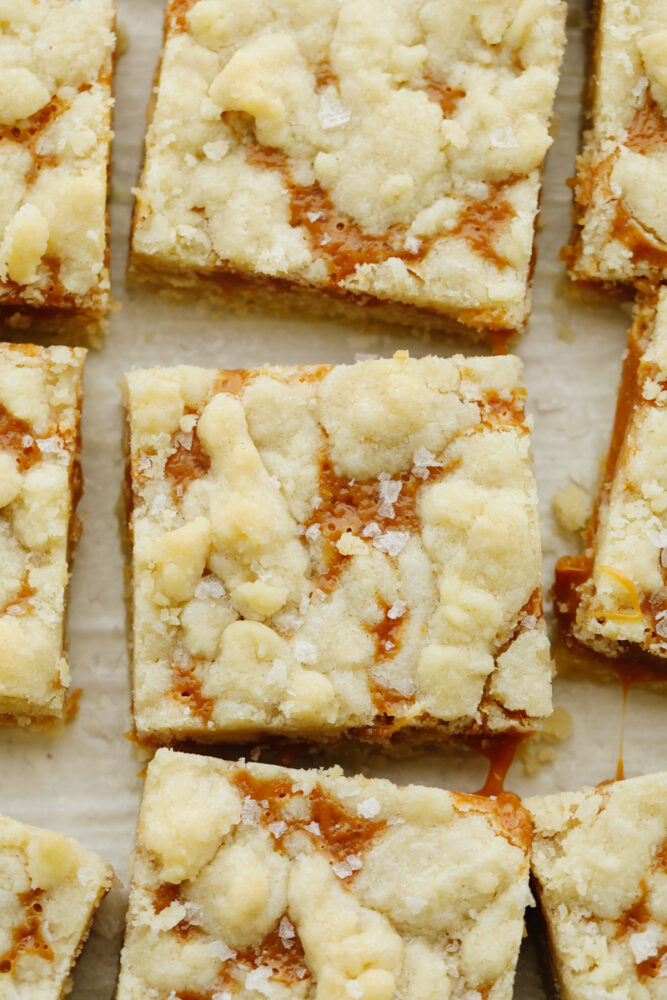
<point x="40" y="483"/>
<point x="327" y="550"/>
<point x="348" y="153"/>
<point x="620" y="191"/>
<point x="599" y="865"/>
<point x="50" y="888"/>
<point x="262" y="881"/>
<point x="613" y="597"/>
<point x="55" y="134"/>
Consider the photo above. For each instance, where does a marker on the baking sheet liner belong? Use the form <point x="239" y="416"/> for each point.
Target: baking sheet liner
<point x="87" y="783"/>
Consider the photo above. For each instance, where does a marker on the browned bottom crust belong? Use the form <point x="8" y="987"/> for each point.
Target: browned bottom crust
<point x="71" y="327"/>
<point x="538" y="929"/>
<point x="241" y="293"/>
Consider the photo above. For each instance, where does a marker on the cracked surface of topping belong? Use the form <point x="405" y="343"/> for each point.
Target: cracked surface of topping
<point x="614" y="597"/>
<point x="55" y="131"/>
<point x="49" y="890"/>
<point x="600" y="863"/>
<point x="313" y="553"/>
<point x="40" y="407"/>
<point x="273" y="151"/>
<point x="258" y="881"/>
<point x="621" y="218"/>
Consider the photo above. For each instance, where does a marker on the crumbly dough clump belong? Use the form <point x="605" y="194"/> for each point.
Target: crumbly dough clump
<point x="620" y="591"/>
<point x="260" y="881"/>
<point x="55" y="132"/>
<point x="40" y="409"/>
<point x="317" y="550"/>
<point x="599" y="863"/>
<point x="50" y="888"/>
<point x="390" y="150"/>
<point x="621" y="186"/>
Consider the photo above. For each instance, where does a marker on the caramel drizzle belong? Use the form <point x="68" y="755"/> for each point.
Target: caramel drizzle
<point x="18" y="437"/>
<point x="187" y="462"/>
<point x="637" y="916"/>
<point x="27" y="938"/>
<point x="186" y="689"/>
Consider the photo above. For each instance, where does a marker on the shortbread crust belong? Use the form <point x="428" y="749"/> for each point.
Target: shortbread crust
<point x="262" y="881"/>
<point x="50" y="888"/>
<point x="387" y="156"/>
<point x="613" y="597"/>
<point x="55" y="135"/>
<point x="314" y="554"/>
<point x="40" y="483"/>
<point x="599" y="864"/>
<point x="620" y="191"/>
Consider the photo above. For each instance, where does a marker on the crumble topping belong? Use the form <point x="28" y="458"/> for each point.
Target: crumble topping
<point x="40" y="402"/>
<point x="295" y="509"/>
<point x="321" y="909"/>
<point x="621" y="225"/>
<point x="260" y="110"/>
<point x="600" y="864"/>
<point x="55" y="121"/>
<point x="50" y="890"/>
<point x="614" y="597"/>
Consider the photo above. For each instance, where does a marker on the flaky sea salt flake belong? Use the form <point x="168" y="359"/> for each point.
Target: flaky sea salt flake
<point x="391" y="542"/>
<point x="397" y="610"/>
<point x="368" y="808"/>
<point x="258" y="980"/>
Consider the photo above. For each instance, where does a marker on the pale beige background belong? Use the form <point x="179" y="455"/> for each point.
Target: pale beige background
<point x="86" y="784"/>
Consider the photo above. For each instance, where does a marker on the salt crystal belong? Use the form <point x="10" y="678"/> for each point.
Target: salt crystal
<point x="368" y="808"/>
<point x="303" y="606"/>
<point x="277" y="829"/>
<point x="528" y="621"/>
<point x="325" y="239"/>
<point x="195" y="913"/>
<point x="304" y="651"/>
<point x="397" y="610"/>
<point x="314" y="216"/>
<point x="220" y="950"/>
<point x="332" y="114"/>
<point x="372" y="530"/>
<point x="424" y="457"/>
<point x="258" y="980"/>
<point x="389" y="491"/>
<point x="354" y="989"/>
<point x="316" y="503"/>
<point x="412" y="244"/>
<point x="184" y="440"/>
<point x="220" y="995"/>
<point x="388" y="645"/>
<point x="49" y="446"/>
<point x="661" y="625"/>
<point x="354" y="861"/>
<point x="209" y="586"/>
<point x="27" y="441"/>
<point x="342" y="869"/>
<point x="391" y="542"/>
<point x="313" y="532"/>
<point x="286" y="932"/>
<point x="250" y="811"/>
<point x="415" y="904"/>
<point x="314" y="828"/>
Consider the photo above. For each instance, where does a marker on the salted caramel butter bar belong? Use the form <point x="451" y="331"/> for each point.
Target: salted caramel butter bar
<point x="55" y="133"/>
<point x="327" y="550"/>
<point x="599" y="865"/>
<point x="620" y="232"/>
<point x="381" y="157"/>
<point x="613" y="597"/>
<point x="50" y="888"/>
<point x="262" y="881"/>
<point x="40" y="480"/>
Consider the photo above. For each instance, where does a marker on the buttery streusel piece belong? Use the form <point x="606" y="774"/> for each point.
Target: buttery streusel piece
<point x="620" y="192"/>
<point x="613" y="597"/>
<point x="374" y="153"/>
<point x="599" y="864"/>
<point x="40" y="482"/>
<point x="324" y="550"/>
<point x="50" y="888"/>
<point x="256" y="880"/>
<point x="55" y="133"/>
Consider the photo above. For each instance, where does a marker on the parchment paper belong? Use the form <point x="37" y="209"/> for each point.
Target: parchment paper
<point x="86" y="784"/>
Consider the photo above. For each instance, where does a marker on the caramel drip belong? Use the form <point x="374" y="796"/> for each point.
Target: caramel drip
<point x="17" y="436"/>
<point x="350" y="506"/>
<point x="27" y="938"/>
<point x="647" y="132"/>
<point x="500" y="752"/>
<point x="185" y="464"/>
<point x="186" y="688"/>
<point x="341" y="833"/>
<point x="446" y="97"/>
